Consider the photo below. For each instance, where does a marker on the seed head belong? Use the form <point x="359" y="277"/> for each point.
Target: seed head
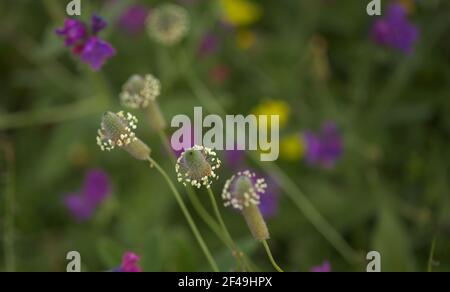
<point x="117" y="130"/>
<point x="168" y="24"/>
<point x="140" y="91"/>
<point x="196" y="166"/>
<point x="243" y="190"/>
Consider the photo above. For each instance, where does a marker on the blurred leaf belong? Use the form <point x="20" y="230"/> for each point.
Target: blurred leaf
<point x="151" y="258"/>
<point x="110" y="252"/>
<point x="391" y="240"/>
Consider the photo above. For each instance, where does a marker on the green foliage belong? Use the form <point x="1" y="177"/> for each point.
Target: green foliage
<point x="389" y="192"/>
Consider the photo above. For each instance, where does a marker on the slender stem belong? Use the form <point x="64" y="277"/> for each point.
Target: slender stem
<point x="8" y="248"/>
<point x="218" y="215"/>
<point x="269" y="254"/>
<point x="191" y="193"/>
<point x="201" y="211"/>
<point x="188" y="216"/>
<point x="225" y="231"/>
<point x="430" y="259"/>
<point x="305" y="205"/>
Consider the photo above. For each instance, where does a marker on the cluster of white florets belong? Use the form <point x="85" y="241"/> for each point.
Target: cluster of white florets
<point x="111" y="135"/>
<point x="198" y="170"/>
<point x="168" y="24"/>
<point x="239" y="199"/>
<point x="139" y="91"/>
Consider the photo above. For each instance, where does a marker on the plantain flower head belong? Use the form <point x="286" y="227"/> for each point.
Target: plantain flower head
<point x="243" y="192"/>
<point x="197" y="166"/>
<point x="168" y="24"/>
<point x="117" y="130"/>
<point x="139" y="91"/>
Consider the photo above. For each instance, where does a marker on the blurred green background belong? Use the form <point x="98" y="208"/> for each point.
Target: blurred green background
<point x="388" y="192"/>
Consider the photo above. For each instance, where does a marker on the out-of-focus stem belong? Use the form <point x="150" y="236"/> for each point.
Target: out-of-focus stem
<point x="206" y="217"/>
<point x="238" y="254"/>
<point x="187" y="215"/>
<point x="55" y="114"/>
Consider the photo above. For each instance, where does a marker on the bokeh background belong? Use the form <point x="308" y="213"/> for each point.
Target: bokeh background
<point x="382" y="184"/>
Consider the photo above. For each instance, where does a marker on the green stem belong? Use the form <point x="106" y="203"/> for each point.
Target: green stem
<point x="51" y="115"/>
<point x="269" y="254"/>
<point x="226" y="232"/>
<point x="206" y="217"/>
<point x="191" y="193"/>
<point x="430" y="259"/>
<point x="304" y="204"/>
<point x="218" y="215"/>
<point x="186" y="213"/>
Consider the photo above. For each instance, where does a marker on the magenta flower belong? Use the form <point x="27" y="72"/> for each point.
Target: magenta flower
<point x="85" y="43"/>
<point x="325" y="148"/>
<point x="209" y="44"/>
<point x="132" y="20"/>
<point x="96" y="189"/>
<point x="394" y="30"/>
<point x="130" y="263"/>
<point x="324" y="268"/>
<point x="73" y="31"/>
<point x="95" y="52"/>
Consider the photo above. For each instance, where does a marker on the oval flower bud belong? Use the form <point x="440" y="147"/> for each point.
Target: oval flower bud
<point x="196" y="166"/>
<point x="116" y="130"/>
<point x="242" y="192"/>
<point x="168" y="24"/>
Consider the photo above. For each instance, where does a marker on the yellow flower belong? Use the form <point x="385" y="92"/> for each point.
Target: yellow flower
<point x="274" y="107"/>
<point x="292" y="148"/>
<point x="245" y="39"/>
<point x="241" y="12"/>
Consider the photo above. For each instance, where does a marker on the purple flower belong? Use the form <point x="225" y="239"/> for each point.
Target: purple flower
<point x="86" y="44"/>
<point x="394" y="30"/>
<point x="96" y="188"/>
<point x="324" y="268"/>
<point x="209" y="44"/>
<point x="95" y="52"/>
<point x="324" y="148"/>
<point x="269" y="201"/>
<point x="97" y="24"/>
<point x="129" y="263"/>
<point x="235" y="158"/>
<point x="132" y="20"/>
<point x="79" y="208"/>
<point x="74" y="31"/>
